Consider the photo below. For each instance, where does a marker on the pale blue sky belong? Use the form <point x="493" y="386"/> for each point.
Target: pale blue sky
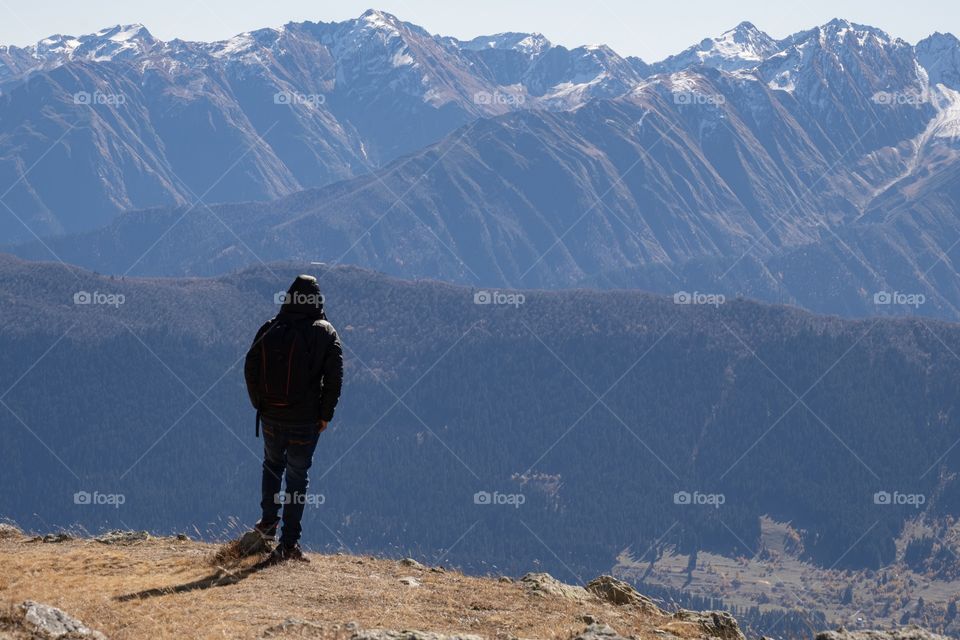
<point x="651" y="30"/>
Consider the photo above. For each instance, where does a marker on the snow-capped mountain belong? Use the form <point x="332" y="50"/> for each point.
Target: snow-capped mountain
<point x="529" y="44"/>
<point x="742" y="146"/>
<point x="120" y="42"/>
<point x="742" y="47"/>
<point x="939" y="55"/>
<point x="140" y="122"/>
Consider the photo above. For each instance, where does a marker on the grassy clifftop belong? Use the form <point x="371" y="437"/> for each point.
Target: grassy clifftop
<point x="145" y="587"/>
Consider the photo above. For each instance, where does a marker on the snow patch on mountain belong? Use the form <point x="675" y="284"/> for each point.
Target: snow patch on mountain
<point x="782" y="68"/>
<point x="947" y="122"/>
<point x="55" y="46"/>
<point x="238" y="45"/>
<point x="119" y="42"/>
<point x="939" y="54"/>
<point x="376" y="19"/>
<point x="742" y="47"/>
<point x="531" y="44"/>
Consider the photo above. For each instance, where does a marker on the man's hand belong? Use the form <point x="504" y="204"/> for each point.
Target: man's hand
<point x="322" y="426"/>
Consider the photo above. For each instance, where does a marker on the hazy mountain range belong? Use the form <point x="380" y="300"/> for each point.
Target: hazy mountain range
<point x="819" y="169"/>
<point x="136" y="122"/>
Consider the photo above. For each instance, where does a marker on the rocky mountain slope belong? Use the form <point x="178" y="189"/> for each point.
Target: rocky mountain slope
<point x="123" y="120"/>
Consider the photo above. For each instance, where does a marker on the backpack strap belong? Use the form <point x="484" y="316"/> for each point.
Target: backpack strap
<point x="257" y="434"/>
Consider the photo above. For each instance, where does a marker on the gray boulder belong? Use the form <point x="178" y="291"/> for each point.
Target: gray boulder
<point x="620" y="593"/>
<point x="598" y="631"/>
<point x="543" y="584"/>
<point x="44" y="621"/>
<point x="123" y="537"/>
<point x="387" y="634"/>
<point x="253" y="543"/>
<point x="52" y="538"/>
<point x="906" y="633"/>
<point x="413" y="564"/>
<point x="295" y="626"/>
<point x="716" y="624"/>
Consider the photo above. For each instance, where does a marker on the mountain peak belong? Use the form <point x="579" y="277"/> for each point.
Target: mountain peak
<point x="121" y="40"/>
<point x="937" y="39"/>
<point x="125" y="32"/>
<point x="528" y="43"/>
<point x="838" y="28"/>
<point x="378" y="18"/>
<point x="939" y="55"/>
<point x="741" y="47"/>
<point x="749" y="38"/>
<point x="839" y="23"/>
<point x="744" y="30"/>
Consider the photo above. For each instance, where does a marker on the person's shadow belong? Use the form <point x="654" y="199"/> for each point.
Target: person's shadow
<point x="222" y="578"/>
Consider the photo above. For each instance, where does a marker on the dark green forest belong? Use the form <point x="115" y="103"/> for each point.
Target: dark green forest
<point x="597" y="407"/>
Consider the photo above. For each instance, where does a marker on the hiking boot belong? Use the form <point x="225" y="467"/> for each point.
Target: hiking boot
<point x="284" y="553"/>
<point x="268" y="531"/>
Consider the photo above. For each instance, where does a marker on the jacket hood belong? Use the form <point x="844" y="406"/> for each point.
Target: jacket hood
<point x="304" y="297"/>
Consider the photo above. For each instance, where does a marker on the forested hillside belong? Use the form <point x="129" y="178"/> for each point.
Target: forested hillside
<point x="594" y="422"/>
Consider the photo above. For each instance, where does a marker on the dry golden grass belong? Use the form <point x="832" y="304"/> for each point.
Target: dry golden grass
<point x="167" y="588"/>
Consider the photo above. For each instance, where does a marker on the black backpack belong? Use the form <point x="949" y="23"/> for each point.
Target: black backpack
<point x="285" y="366"/>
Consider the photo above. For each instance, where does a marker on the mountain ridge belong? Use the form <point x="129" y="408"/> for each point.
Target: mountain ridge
<point x="140" y="122"/>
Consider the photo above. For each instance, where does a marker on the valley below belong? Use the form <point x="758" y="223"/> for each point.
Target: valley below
<point x="776" y="586"/>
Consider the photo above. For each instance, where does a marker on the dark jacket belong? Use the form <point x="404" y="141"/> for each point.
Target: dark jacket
<point x="326" y="368"/>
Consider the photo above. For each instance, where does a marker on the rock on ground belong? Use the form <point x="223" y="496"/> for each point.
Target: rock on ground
<point x="598" y="631"/>
<point x="619" y="592"/>
<point x="123" y="537"/>
<point x="906" y="633"/>
<point x="387" y="634"/>
<point x="301" y="627"/>
<point x="543" y="584"/>
<point x="52" y="538"/>
<point x="716" y="624"/>
<point x="413" y="564"/>
<point x="9" y="532"/>
<point x="44" y="621"/>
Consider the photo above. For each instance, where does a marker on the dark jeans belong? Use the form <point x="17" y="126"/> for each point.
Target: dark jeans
<point x="286" y="448"/>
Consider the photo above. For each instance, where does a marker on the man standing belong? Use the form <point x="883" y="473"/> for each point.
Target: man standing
<point x="294" y="372"/>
